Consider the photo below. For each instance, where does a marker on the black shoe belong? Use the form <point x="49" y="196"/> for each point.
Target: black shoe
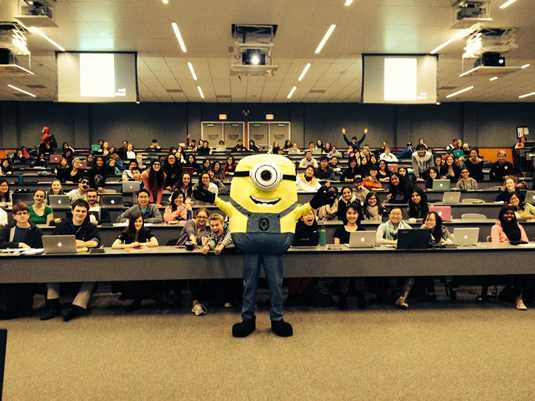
<point x="72" y="312"/>
<point x="244" y="328"/>
<point x="453" y="291"/>
<point x="342" y="303"/>
<point x="133" y="306"/>
<point x="52" y="311"/>
<point x="281" y="328"/>
<point x="431" y="297"/>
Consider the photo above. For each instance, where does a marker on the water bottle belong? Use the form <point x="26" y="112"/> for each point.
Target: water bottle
<point x="134" y="198"/>
<point x="323" y="236"/>
<point x="21" y="179"/>
<point x="190" y="215"/>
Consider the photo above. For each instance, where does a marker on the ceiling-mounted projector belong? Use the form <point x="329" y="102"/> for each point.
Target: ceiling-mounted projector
<point x="490" y="59"/>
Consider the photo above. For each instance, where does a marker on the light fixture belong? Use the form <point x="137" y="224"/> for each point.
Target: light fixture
<point x="270" y="116"/>
<point x="325" y="38"/>
<point x="304" y="72"/>
<point x="179" y="37"/>
<point x="222" y="116"/>
<point x="459" y="35"/>
<point x="33" y="29"/>
<point x="292" y="92"/>
<point x="459" y="92"/>
<point x="20" y="90"/>
<point x="200" y="92"/>
<point x="526" y="95"/>
<point x="165" y="1"/>
<point x="253" y="57"/>
<point x="348" y="3"/>
<point x="493" y="79"/>
<point x="525" y="66"/>
<point x="507" y="4"/>
<point x="192" y="71"/>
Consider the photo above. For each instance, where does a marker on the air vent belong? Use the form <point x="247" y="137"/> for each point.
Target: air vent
<point x="223" y="97"/>
<point x="36" y="86"/>
<point x="447" y="88"/>
<point x="174" y="91"/>
<point x="318" y="91"/>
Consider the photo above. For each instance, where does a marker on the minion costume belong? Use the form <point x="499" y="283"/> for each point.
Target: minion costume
<point x="262" y="213"/>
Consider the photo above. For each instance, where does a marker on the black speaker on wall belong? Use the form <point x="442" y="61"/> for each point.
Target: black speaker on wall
<point x="6" y="56"/>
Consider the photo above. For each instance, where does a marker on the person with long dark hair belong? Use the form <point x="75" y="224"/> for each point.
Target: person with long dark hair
<point x="230" y="166"/>
<point x="172" y="170"/>
<point x="178" y="208"/>
<point x="399" y="189"/>
<point x="192" y="162"/>
<point x="97" y="174"/>
<point x="154" y="180"/>
<point x="73" y="174"/>
<point x="5" y="194"/>
<point x="6" y="168"/>
<point x="351" y="171"/>
<point x="373" y="209"/>
<point x="418" y="206"/>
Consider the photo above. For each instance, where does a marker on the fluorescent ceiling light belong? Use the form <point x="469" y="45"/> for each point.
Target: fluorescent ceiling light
<point x="179" y="37"/>
<point x="165" y="1"/>
<point x="493" y="79"/>
<point x="461" y="91"/>
<point x="526" y="95"/>
<point x="38" y="31"/>
<point x="460" y="35"/>
<point x="325" y="38"/>
<point x="348" y="3"/>
<point x="525" y="66"/>
<point x="192" y="71"/>
<point x="304" y="72"/>
<point x="507" y="3"/>
<point x="200" y="92"/>
<point x="292" y="92"/>
<point x="20" y="90"/>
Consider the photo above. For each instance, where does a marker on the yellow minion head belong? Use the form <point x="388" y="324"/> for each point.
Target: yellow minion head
<point x="264" y="184"/>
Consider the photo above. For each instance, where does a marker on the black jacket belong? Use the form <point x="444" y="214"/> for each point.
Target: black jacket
<point x="32" y="239"/>
<point x="86" y="232"/>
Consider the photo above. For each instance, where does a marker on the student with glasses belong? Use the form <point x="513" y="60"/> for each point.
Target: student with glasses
<point x="81" y="193"/>
<point x="150" y="212"/>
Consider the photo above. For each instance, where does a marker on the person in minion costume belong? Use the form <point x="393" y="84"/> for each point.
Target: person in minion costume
<point x="262" y="212"/>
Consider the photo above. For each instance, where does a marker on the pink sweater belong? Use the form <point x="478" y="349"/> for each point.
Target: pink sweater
<point x="497" y="234"/>
<point x="155" y="192"/>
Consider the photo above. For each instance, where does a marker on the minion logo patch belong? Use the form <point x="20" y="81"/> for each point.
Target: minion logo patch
<point x="263" y="224"/>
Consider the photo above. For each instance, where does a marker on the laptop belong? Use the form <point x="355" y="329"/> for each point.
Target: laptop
<point x="55" y="159"/>
<point x="417" y="238"/>
<point x="443" y="211"/>
<point x="111" y="200"/>
<point x="54" y="244"/>
<point x="361" y="239"/>
<point x="25" y="197"/>
<point x="393" y="167"/>
<point x="59" y="202"/>
<point x="293" y="151"/>
<point x="451" y="197"/>
<point x="306" y="238"/>
<point x="187" y="170"/>
<point x="220" y="148"/>
<point x="95" y="148"/>
<point x="441" y="185"/>
<point x="466" y="236"/>
<point x="530" y="197"/>
<point x="83" y="164"/>
<point x="316" y="151"/>
<point x="130" y="186"/>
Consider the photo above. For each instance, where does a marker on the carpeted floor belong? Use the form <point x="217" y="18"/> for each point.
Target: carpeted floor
<point x="439" y="351"/>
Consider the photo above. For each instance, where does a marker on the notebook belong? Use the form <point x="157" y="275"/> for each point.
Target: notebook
<point x="451" y="197"/>
<point x="59" y="244"/>
<point x="306" y="238"/>
<point x="59" y="202"/>
<point x="111" y="200"/>
<point x="443" y="211"/>
<point x="466" y="236"/>
<point x="130" y="186"/>
<point x="417" y="238"/>
<point x="361" y="239"/>
<point x="26" y="197"/>
<point x="55" y="159"/>
<point x="441" y="185"/>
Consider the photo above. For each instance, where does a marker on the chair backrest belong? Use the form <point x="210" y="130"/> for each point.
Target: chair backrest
<point x="472" y="200"/>
<point x="473" y="216"/>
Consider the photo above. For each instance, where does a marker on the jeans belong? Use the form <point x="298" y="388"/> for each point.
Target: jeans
<point x="251" y="272"/>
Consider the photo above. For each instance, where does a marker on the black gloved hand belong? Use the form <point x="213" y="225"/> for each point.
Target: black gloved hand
<point x="322" y="197"/>
<point x="203" y="195"/>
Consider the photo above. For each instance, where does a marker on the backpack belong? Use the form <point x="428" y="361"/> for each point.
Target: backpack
<point x="52" y="141"/>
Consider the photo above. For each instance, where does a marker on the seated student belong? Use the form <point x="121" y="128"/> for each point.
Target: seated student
<point x="507" y="229"/>
<point x="97" y="214"/>
<point x="307" y="182"/>
<point x="418" y="206"/>
<point x="383" y="174"/>
<point x="6" y="199"/>
<point x="24" y="234"/>
<point x="136" y="235"/>
<point x="97" y="174"/>
<point x="154" y="147"/>
<point x="230" y="166"/>
<point x="221" y="188"/>
<point x="432" y="174"/>
<point x="308" y="160"/>
<point x="402" y="171"/>
<point x="137" y="174"/>
<point x="39" y="212"/>
<point x="353" y="214"/>
<point x="172" y="170"/>
<point x="194" y="231"/>
<point x="475" y="165"/>
<point x="359" y="190"/>
<point x="373" y="209"/>
<point x="40" y="162"/>
<point x="73" y="174"/>
<point x="523" y="210"/>
<point x="501" y="168"/>
<point x="205" y="150"/>
<point x="351" y="171"/>
<point x="387" y="156"/>
<point x="207" y="184"/>
<point x="324" y="172"/>
<point x="178" y="208"/>
<point x="387" y="234"/>
<point x="87" y="236"/>
<point x="185" y="185"/>
<point x="407" y="152"/>
<point x="329" y="212"/>
<point x="333" y="163"/>
<point x="449" y="170"/>
<point x="239" y="147"/>
<point x="81" y="192"/>
<point x="345" y="200"/>
<point x="372" y="182"/>
<point x="509" y="188"/>
<point x="399" y="189"/>
<point x="192" y="162"/>
<point x="466" y="183"/>
<point x="252" y="147"/>
<point x="6" y="168"/>
<point x="127" y="172"/>
<point x="55" y="189"/>
<point x="112" y="169"/>
<point x="150" y="212"/>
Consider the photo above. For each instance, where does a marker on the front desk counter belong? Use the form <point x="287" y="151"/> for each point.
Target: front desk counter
<point x="168" y="263"/>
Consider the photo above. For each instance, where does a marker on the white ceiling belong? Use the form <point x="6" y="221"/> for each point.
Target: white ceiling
<point x="366" y="26"/>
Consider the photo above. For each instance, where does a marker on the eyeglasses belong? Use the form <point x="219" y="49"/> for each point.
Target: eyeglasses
<point x="21" y="213"/>
<point x="202" y="217"/>
<point x="85" y="182"/>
